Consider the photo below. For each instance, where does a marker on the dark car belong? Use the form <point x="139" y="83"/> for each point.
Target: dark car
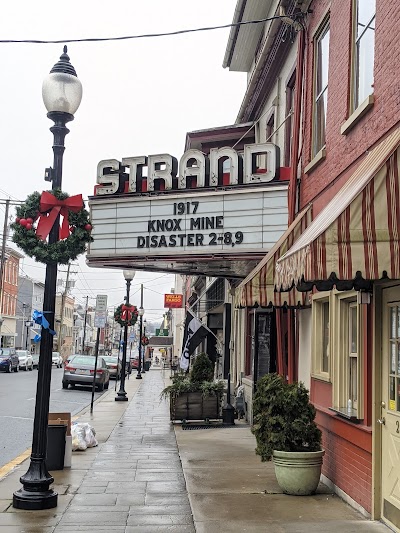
<point x="9" y="360"/>
<point x="79" y="370"/>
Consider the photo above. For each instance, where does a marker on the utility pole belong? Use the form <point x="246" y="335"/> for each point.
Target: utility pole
<point x="63" y="297"/>
<point x="84" y="326"/>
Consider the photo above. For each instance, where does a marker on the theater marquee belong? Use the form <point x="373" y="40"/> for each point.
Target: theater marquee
<point x="219" y="230"/>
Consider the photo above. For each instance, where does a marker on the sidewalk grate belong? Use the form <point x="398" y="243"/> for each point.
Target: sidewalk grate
<point x="209" y="426"/>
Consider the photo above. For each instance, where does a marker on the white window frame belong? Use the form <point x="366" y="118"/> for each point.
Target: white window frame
<point x="343" y="303"/>
<point x="318" y="302"/>
<point x="324" y="28"/>
<point x="355" y="74"/>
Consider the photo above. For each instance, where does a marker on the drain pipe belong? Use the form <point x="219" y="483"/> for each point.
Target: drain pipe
<point x="293" y="189"/>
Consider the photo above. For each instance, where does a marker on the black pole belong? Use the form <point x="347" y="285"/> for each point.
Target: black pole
<point x="96" y="354"/>
<point x="36" y="492"/>
<point x="121" y="394"/>
<point x="139" y="370"/>
<point x="143" y="350"/>
<point x="84" y="326"/>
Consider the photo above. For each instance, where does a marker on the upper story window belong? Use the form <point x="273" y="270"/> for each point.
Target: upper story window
<point x="290" y="100"/>
<point x="321" y="68"/>
<point x="363" y="51"/>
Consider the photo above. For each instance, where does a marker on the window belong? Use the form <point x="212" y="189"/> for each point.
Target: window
<point x="321" y="310"/>
<point x="269" y="128"/>
<point x="290" y="99"/>
<point x="363" y="51"/>
<point x="348" y="383"/>
<point x="337" y="350"/>
<point x="321" y="62"/>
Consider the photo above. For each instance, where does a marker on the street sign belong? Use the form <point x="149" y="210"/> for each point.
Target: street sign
<point x="162" y="332"/>
<point x="101" y="302"/>
<point x="100" y="319"/>
<point x="100" y="315"/>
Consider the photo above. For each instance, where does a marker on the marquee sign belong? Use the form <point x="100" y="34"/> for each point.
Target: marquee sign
<point x="222" y="227"/>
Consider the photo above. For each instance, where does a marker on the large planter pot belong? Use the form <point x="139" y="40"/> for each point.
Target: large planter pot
<point x="298" y="473"/>
<point x="195" y="406"/>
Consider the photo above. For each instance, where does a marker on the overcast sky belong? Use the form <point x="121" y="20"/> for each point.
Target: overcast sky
<point x="140" y="97"/>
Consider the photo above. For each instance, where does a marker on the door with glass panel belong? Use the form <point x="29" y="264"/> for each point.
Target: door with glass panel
<point x="390" y="415"/>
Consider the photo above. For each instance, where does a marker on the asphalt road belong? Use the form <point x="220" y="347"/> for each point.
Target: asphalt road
<point x="17" y="407"/>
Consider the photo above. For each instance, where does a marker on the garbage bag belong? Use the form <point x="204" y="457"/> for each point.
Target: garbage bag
<point x="83" y="436"/>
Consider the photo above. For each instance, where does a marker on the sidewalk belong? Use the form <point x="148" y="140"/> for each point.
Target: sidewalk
<point x="134" y="482"/>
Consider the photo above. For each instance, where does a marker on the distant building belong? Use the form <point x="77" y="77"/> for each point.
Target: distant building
<point x="8" y="296"/>
<point x="30" y="299"/>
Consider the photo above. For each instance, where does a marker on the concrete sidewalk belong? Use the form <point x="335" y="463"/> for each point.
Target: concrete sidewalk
<point x="134" y="481"/>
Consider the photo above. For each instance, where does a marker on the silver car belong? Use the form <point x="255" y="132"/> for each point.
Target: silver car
<point x="79" y="370"/>
<point x="113" y="365"/>
<point x="25" y="360"/>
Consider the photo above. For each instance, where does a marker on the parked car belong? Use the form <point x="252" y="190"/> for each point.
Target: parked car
<point x="80" y="371"/>
<point x="25" y="360"/>
<point x="113" y="365"/>
<point x="56" y="359"/>
<point x="35" y="359"/>
<point x="8" y="360"/>
<point x="135" y="362"/>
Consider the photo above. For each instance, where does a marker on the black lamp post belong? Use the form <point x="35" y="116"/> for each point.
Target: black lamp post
<point x="144" y="346"/>
<point x="62" y="94"/>
<point x="141" y="313"/>
<point x="121" y="394"/>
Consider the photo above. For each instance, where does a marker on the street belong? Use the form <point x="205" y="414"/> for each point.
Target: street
<point x="17" y="401"/>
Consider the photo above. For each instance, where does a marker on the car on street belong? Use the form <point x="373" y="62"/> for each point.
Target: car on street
<point x="35" y="360"/>
<point x="113" y="365"/>
<point x="79" y="370"/>
<point x="56" y="359"/>
<point x="25" y="360"/>
<point x="8" y="360"/>
<point x="135" y="362"/>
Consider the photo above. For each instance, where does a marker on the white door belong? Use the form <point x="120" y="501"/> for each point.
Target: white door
<point x="390" y="417"/>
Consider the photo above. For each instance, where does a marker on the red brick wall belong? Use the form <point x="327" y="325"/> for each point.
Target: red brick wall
<point x="343" y="151"/>
<point x="10" y="286"/>
<point x="349" y="467"/>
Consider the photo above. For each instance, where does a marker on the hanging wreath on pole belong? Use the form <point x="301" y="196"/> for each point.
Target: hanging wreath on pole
<point x="145" y="340"/>
<point x="126" y="315"/>
<point x="35" y="219"/>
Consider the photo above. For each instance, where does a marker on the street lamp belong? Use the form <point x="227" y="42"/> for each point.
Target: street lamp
<point x="62" y="94"/>
<point x="144" y="346"/>
<point x="121" y="394"/>
<point x="141" y="313"/>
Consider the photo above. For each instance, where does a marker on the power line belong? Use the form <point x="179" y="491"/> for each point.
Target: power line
<point x="146" y="35"/>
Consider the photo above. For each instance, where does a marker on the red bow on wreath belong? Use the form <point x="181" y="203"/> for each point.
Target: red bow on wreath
<point x="48" y="202"/>
<point x="126" y="312"/>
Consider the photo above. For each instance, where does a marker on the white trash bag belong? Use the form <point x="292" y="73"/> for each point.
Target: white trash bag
<point x="83" y="436"/>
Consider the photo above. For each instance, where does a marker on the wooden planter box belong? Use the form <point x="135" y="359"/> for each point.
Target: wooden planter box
<point x="195" y="406"/>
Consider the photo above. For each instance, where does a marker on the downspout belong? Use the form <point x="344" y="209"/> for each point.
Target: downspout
<point x="291" y="317"/>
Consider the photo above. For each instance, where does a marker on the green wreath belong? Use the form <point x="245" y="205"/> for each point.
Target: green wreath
<point x="133" y="315"/>
<point x="63" y="251"/>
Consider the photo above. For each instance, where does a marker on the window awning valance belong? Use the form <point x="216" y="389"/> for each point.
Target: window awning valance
<point x="355" y="239"/>
<point x="258" y="288"/>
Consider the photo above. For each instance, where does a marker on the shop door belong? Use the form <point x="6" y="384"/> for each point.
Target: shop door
<point x="390" y="417"/>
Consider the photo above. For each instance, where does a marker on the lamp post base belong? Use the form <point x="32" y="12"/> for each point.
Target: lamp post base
<point x="35" y="501"/>
<point x="122" y="397"/>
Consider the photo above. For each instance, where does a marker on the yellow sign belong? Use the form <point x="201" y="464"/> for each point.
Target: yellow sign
<point x="392" y="405"/>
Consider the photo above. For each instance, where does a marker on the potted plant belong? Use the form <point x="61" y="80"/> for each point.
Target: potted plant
<point x="195" y="396"/>
<point x="285" y="430"/>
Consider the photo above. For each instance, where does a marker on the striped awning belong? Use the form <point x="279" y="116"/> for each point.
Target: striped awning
<point x="355" y="239"/>
<point x="258" y="288"/>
